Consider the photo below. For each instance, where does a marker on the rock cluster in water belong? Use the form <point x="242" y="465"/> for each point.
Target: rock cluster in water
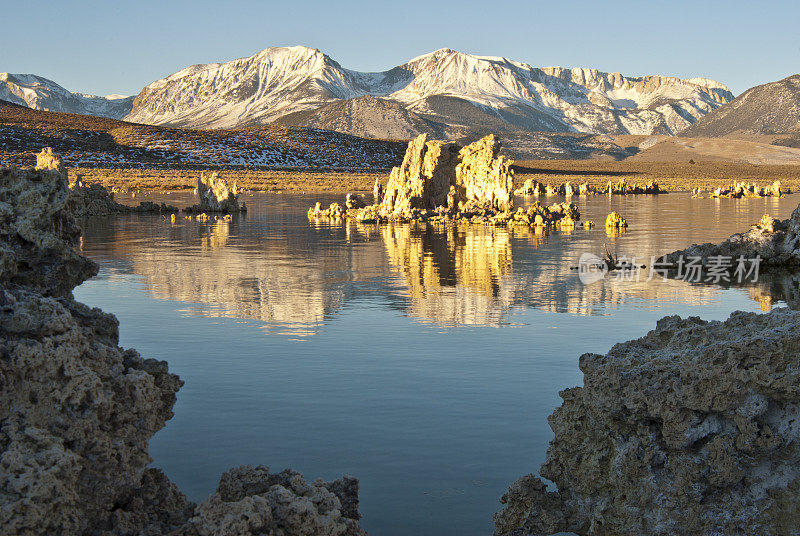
<point x="692" y="429"/>
<point x="739" y="190"/>
<point x="442" y="182"/>
<point x="776" y="242"/>
<point x="216" y="195"/>
<point x="615" y="221"/>
<point x="77" y="411"/>
<point x="532" y="187"/>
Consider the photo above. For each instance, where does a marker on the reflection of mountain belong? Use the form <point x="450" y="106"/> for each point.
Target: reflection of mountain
<point x="275" y="267"/>
<point x="218" y="274"/>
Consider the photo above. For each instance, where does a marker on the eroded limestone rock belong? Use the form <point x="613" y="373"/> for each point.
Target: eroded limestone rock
<point x="377" y="192"/>
<point x="38" y="233"/>
<point x="250" y="500"/>
<point x="692" y="429"/>
<point x="483" y="176"/>
<point x="47" y="159"/>
<point x="76" y="411"/>
<point x="424" y="178"/>
<point x="438" y="182"/>
<point x="738" y="190"/>
<point x="531" y="187"/>
<point x="216" y="195"/>
<point x="615" y="221"/>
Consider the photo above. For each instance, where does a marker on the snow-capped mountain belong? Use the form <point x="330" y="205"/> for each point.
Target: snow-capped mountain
<point x="280" y="81"/>
<point x="43" y="94"/>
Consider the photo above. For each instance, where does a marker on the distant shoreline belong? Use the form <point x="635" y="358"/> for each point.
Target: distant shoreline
<point x="672" y="176"/>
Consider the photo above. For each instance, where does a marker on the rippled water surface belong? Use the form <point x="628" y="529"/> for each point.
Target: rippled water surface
<point x="422" y="360"/>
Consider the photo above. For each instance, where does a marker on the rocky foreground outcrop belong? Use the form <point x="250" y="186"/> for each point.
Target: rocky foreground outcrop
<point x="692" y="429"/>
<point x="775" y="242"/>
<point x="77" y="411"/>
<point x="441" y="182"/>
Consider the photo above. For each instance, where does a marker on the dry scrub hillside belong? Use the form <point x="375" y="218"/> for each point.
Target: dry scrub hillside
<point x="94" y="142"/>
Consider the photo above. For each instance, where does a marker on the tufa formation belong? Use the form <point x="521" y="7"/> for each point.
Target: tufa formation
<point x="440" y="182"/>
<point x="691" y="429"/>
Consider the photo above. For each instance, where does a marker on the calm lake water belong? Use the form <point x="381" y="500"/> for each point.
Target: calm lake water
<point x="422" y="360"/>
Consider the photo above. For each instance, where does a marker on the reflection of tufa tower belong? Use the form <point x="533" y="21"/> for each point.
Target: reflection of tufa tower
<point x="454" y="275"/>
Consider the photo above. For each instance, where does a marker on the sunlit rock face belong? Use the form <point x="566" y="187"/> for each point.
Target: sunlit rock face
<point x="692" y="429"/>
<point x="424" y="178"/>
<point x="216" y="195"/>
<point x="776" y="242"/>
<point x="47" y="159"/>
<point x="483" y="176"/>
<point x="440" y="174"/>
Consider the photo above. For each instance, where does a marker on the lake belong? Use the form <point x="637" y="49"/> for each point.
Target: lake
<point x="422" y="360"/>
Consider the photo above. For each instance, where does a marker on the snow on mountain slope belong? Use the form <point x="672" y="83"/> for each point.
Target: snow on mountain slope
<point x="285" y="80"/>
<point x="43" y="94"/>
<point x="275" y="82"/>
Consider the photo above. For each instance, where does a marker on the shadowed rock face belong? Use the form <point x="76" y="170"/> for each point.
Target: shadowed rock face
<point x="690" y="430"/>
<point x="776" y="242"/>
<point x="77" y="411"/>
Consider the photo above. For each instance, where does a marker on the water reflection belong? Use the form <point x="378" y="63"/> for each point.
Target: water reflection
<point x="453" y="275"/>
<point x="291" y="275"/>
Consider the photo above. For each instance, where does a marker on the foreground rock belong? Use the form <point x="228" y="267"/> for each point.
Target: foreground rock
<point x="689" y="430"/>
<point x="216" y="196"/>
<point x="38" y="234"/>
<point x="250" y="500"/>
<point x="77" y="411"/>
<point x="775" y="242"/>
<point x="440" y="182"/>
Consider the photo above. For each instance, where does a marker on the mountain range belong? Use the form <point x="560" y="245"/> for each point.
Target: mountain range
<point x="40" y="93"/>
<point x="447" y="94"/>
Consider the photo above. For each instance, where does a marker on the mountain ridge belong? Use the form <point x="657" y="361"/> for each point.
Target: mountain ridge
<point x="279" y="81"/>
<point x="445" y="91"/>
<point x="40" y="93"/>
<point x="766" y="109"/>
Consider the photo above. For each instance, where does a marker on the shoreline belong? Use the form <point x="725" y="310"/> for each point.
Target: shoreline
<point x="670" y="176"/>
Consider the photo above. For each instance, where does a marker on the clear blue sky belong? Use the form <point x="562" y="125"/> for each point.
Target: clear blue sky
<point x="118" y="46"/>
